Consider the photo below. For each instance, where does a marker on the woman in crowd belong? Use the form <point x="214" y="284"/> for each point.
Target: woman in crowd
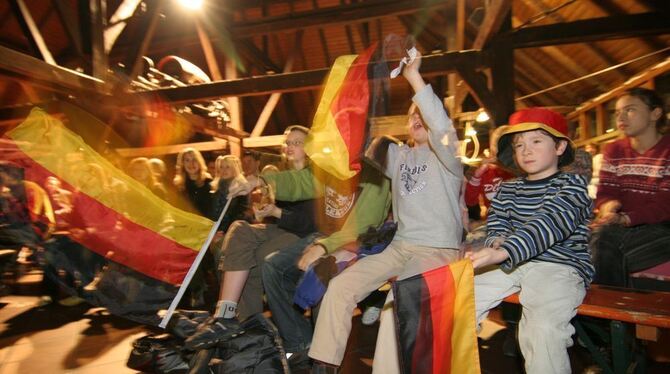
<point x="140" y="169"/>
<point x="193" y="180"/>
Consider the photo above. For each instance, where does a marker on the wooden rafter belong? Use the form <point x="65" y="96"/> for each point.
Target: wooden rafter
<point x="133" y="61"/>
<point x="610" y="8"/>
<point x="70" y="24"/>
<point x="589" y="30"/>
<point x="345" y="14"/>
<point x="436" y="64"/>
<point x="98" y="13"/>
<point x="494" y="18"/>
<point x="274" y="98"/>
<point x="31" y="31"/>
<point x="594" y="50"/>
<point x="21" y="67"/>
<point x="118" y="22"/>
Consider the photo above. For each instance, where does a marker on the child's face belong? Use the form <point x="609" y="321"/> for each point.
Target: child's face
<point x="294" y="146"/>
<point x="634" y="117"/>
<point x="191" y="165"/>
<point x="226" y="170"/>
<point x="537" y="153"/>
<point x="415" y="127"/>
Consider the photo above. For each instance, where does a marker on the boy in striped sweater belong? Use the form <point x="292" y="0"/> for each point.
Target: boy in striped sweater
<point x="537" y="231"/>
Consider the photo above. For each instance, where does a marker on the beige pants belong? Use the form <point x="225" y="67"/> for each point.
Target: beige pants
<point x="354" y="284"/>
<point x="549" y="294"/>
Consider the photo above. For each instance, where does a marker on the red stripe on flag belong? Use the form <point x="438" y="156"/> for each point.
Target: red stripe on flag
<point x="135" y="246"/>
<point x="440" y="283"/>
<point x="350" y="108"/>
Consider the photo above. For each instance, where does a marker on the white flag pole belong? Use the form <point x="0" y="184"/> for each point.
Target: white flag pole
<point x="194" y="267"/>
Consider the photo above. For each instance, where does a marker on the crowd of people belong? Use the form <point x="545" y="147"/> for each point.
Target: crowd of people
<point x="554" y="224"/>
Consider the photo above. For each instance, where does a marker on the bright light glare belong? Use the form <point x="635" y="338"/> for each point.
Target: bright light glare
<point x="191" y="4"/>
<point x="482" y="117"/>
<point x="327" y="150"/>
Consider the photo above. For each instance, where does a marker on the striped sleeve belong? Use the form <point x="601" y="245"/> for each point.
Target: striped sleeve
<point x="497" y="226"/>
<point x="555" y="221"/>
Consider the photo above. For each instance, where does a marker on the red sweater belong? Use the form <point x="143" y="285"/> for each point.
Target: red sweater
<point x="641" y="182"/>
<point x="486" y="185"/>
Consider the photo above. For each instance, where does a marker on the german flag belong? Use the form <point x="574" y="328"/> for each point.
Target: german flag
<point x="357" y="86"/>
<point x="144" y="245"/>
<point x="435" y="314"/>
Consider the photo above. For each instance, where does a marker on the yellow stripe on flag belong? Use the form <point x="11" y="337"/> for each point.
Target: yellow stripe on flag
<point x="464" y="354"/>
<point x="40" y="136"/>
<point x="324" y="144"/>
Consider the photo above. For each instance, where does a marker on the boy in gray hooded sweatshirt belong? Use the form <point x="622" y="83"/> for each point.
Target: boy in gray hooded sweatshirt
<point x="426" y="180"/>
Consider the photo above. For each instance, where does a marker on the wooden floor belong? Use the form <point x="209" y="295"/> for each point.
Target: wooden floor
<point x="85" y="339"/>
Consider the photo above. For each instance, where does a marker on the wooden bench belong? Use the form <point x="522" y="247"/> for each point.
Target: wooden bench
<point x="647" y="311"/>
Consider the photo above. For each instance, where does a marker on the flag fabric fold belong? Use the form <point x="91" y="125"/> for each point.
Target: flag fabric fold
<point x="435" y="314"/>
<point x="357" y="86"/>
<point x="140" y="245"/>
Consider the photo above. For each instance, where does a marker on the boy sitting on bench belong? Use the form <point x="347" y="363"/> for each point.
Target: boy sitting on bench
<point x="537" y="231"/>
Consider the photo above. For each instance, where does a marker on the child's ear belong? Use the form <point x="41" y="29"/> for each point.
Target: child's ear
<point x="561" y="146"/>
<point x="656" y="114"/>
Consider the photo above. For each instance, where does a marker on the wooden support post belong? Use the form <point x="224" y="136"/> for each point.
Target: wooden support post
<point x="98" y="12"/>
<point x="502" y="76"/>
<point x="274" y="98"/>
<point x="146" y="32"/>
<point x="601" y="120"/>
<point x="235" y="109"/>
<point x="584" y="126"/>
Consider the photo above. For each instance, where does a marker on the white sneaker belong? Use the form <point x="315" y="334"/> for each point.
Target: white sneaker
<point x="371" y="315"/>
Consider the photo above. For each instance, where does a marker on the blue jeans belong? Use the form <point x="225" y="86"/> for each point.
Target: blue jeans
<point x="280" y="277"/>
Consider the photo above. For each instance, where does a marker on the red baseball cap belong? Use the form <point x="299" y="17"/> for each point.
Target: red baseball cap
<point x="535" y="119"/>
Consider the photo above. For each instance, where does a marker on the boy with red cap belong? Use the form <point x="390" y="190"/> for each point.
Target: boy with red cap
<point x="537" y="230"/>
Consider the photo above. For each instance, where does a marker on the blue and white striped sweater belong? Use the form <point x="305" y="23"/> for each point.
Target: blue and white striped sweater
<point x="543" y="220"/>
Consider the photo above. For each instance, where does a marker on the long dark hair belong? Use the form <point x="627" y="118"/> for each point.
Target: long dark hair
<point x="652" y="100"/>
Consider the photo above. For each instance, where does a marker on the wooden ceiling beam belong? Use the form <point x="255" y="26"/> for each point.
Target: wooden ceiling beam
<point x="269" y="107"/>
<point x="133" y="60"/>
<point x="436" y="64"/>
<point x="496" y="13"/>
<point x="589" y="30"/>
<point x="31" y="31"/>
<point x="610" y="8"/>
<point x="21" y="67"/>
<point x="70" y="24"/>
<point x="594" y="50"/>
<point x="118" y="22"/>
<point x="345" y="14"/>
<point x="98" y="12"/>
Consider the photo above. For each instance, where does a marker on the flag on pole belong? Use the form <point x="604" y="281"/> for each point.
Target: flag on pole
<point x="142" y="246"/>
<point x="356" y="87"/>
<point x="435" y="314"/>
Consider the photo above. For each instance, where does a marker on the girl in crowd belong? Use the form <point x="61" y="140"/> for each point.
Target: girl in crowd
<point x="228" y="172"/>
<point x="632" y="228"/>
<point x="193" y="180"/>
<point x="140" y="169"/>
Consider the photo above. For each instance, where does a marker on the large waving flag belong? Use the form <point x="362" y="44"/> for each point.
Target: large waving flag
<point x="356" y="86"/>
<point x="435" y="313"/>
<point x="143" y="246"/>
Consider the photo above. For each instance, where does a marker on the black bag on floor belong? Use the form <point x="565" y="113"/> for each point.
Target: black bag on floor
<point x="159" y="354"/>
<point x="258" y="350"/>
